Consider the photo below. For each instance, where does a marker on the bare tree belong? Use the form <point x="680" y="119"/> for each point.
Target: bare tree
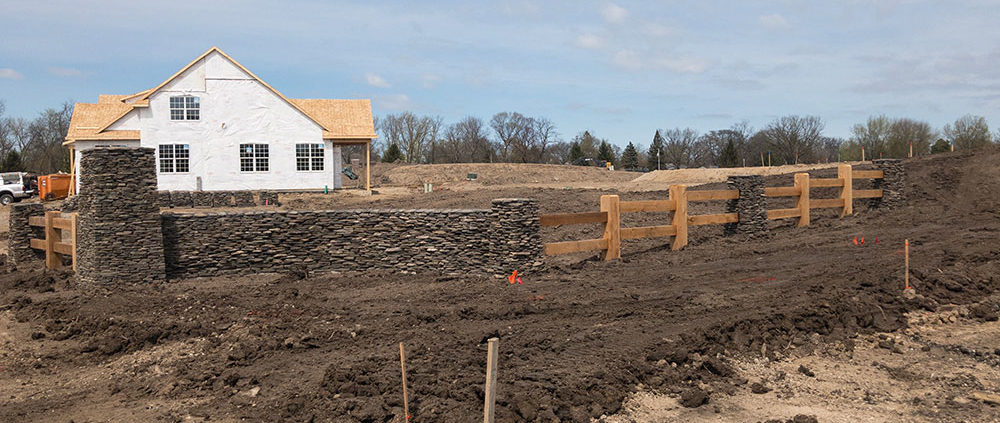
<point x="513" y="131"/>
<point x="544" y="133"/>
<point x="968" y="132"/>
<point x="873" y="135"/>
<point x="411" y="133"/>
<point x="678" y="146"/>
<point x="794" y="139"/>
<point x="903" y="132"/>
<point x="466" y="141"/>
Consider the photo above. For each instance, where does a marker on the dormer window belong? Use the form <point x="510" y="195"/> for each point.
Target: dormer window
<point x="185" y="107"/>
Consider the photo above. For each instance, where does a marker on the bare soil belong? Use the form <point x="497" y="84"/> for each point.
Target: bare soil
<point x="576" y="341"/>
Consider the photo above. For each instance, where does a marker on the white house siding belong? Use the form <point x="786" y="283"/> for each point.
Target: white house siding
<point x="235" y="109"/>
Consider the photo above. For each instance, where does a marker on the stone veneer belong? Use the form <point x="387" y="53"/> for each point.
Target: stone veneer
<point x="892" y="184"/>
<point x="498" y="240"/>
<point x="751" y="206"/>
<point x="19" y="241"/>
<point x="214" y="199"/>
<point x="119" y="238"/>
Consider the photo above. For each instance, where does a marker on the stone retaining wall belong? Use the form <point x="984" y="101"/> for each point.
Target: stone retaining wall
<point x="119" y="238"/>
<point x="216" y="199"/>
<point x="498" y="240"/>
<point x="19" y="242"/>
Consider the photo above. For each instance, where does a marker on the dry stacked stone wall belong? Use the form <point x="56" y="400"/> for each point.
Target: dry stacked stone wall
<point x="751" y="206"/>
<point x="119" y="238"/>
<point x="892" y="184"/>
<point x="214" y="199"/>
<point x="19" y="243"/>
<point x="498" y="240"/>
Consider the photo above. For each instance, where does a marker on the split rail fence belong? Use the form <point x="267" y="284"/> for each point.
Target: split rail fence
<point x="54" y="245"/>
<point x="677" y="203"/>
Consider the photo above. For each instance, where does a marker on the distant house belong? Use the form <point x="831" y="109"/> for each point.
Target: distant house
<point x="217" y="126"/>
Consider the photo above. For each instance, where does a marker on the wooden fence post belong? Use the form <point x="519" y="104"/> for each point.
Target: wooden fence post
<point x="74" y="240"/>
<point x="51" y="238"/>
<point x="491" y="380"/>
<point x="678" y="193"/>
<point x="845" y="174"/>
<point x="612" y="228"/>
<point x="802" y="183"/>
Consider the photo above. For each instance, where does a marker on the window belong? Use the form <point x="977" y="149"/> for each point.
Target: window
<point x="253" y="158"/>
<point x="175" y="158"/>
<point x="308" y="157"/>
<point x="185" y="107"/>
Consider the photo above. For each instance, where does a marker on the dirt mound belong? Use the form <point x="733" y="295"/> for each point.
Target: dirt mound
<point x="490" y="174"/>
<point x="661" y="179"/>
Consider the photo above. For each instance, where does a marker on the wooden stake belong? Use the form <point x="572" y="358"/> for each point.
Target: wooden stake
<point x="906" y="254"/>
<point x="612" y="228"/>
<point x="406" y="398"/>
<point x="368" y="167"/>
<point x="491" y="380"/>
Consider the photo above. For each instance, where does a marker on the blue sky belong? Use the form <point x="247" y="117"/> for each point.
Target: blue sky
<point x="620" y="69"/>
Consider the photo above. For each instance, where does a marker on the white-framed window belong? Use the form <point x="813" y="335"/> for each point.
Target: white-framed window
<point x="185" y="107"/>
<point x="308" y="157"/>
<point x="175" y="158"/>
<point x="254" y="158"/>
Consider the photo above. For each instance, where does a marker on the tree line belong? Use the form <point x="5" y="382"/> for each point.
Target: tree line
<point x="35" y="145"/>
<point x="515" y="138"/>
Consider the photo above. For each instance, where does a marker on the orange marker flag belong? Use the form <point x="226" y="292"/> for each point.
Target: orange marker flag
<point x="855" y="240"/>
<point x="513" y="277"/>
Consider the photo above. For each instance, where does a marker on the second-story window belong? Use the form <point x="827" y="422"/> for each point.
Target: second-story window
<point x="185" y="107"/>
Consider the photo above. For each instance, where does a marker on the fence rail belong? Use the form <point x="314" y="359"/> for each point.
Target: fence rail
<point x="53" y="244"/>
<point x="612" y="209"/>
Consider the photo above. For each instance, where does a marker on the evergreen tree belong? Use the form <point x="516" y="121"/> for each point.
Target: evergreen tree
<point x="630" y="157"/>
<point x="605" y="152"/>
<point x="575" y="152"/>
<point x="392" y="154"/>
<point x="11" y="162"/>
<point x="654" y="148"/>
<point x="728" y="157"/>
<point x="941" y="146"/>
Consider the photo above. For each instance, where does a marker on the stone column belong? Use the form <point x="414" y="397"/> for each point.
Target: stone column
<point x="892" y="184"/>
<point x="751" y="206"/>
<point x="516" y="243"/>
<point x="120" y="238"/>
<point x="19" y="243"/>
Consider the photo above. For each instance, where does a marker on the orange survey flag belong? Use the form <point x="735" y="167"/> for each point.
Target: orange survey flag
<point x="513" y="277"/>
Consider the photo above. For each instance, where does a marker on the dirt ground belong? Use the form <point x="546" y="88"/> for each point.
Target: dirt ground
<point x="586" y="340"/>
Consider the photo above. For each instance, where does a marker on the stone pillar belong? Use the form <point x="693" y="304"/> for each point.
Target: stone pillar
<point x="515" y="235"/>
<point x="751" y="206"/>
<point x="120" y="237"/>
<point x="19" y="243"/>
<point x="892" y="184"/>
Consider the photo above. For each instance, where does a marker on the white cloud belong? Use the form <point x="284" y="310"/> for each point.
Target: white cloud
<point x="376" y="81"/>
<point x="8" y="73"/>
<point x="627" y="59"/>
<point x="631" y="60"/>
<point x="394" y="102"/>
<point x="65" y="72"/>
<point x="589" y="41"/>
<point x="614" y="13"/>
<point x="429" y="80"/>
<point x="680" y="64"/>
<point x="773" y="21"/>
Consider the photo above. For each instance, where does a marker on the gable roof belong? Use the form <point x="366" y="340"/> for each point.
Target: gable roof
<point x="345" y="119"/>
<point x="338" y="119"/>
